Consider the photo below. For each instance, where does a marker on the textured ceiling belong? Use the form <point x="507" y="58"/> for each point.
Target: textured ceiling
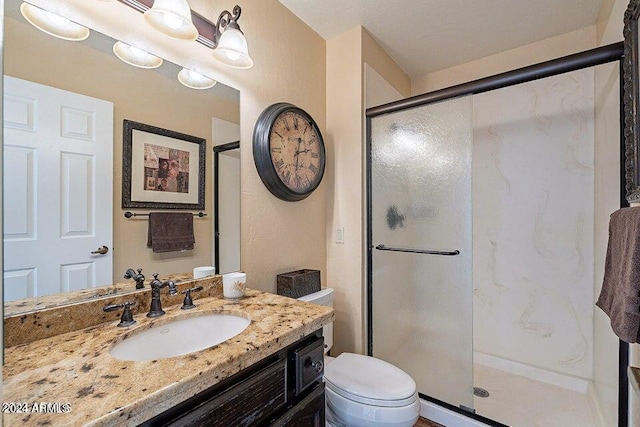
<point x="423" y="36"/>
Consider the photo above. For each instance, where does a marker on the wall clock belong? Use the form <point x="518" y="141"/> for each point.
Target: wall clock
<point x="288" y="151"/>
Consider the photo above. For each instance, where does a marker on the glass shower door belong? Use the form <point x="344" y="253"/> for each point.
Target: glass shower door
<point x="421" y="282"/>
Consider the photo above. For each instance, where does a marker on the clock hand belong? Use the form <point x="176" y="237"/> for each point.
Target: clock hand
<point x="298" y="152"/>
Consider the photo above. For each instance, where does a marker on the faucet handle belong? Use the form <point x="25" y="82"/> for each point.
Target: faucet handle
<point x="188" y="304"/>
<point x="140" y="279"/>
<point x="155" y="283"/>
<point x="127" y="315"/>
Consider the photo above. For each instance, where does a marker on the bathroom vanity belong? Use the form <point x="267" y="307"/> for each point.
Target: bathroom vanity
<point x="267" y="374"/>
<point x="283" y="389"/>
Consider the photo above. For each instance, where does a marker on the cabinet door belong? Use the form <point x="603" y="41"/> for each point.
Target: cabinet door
<point x="309" y="365"/>
<point x="244" y="404"/>
<point x="309" y="412"/>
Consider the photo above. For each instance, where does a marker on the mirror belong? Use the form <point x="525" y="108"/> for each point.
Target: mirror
<point x="155" y="97"/>
<point x="631" y="100"/>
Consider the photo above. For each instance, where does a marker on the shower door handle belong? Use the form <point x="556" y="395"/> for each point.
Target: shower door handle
<point x="418" y="251"/>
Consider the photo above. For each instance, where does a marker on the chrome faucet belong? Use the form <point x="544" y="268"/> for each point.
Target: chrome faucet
<point x="138" y="277"/>
<point x="155" y="310"/>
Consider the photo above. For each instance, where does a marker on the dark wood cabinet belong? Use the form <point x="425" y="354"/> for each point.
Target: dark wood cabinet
<point x="309" y="412"/>
<point x="285" y="389"/>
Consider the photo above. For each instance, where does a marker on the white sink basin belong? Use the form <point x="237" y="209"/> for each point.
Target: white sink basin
<point x="180" y="337"/>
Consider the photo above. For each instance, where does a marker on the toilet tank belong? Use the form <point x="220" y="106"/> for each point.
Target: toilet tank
<point x="323" y="297"/>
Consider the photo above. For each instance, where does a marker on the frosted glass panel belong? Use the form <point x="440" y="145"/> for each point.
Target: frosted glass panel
<point x="421" y="199"/>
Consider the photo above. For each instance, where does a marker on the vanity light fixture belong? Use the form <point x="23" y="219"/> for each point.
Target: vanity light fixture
<point x="172" y="18"/>
<point x="135" y="56"/>
<point x="194" y="80"/>
<point x="225" y="37"/>
<point x="229" y="44"/>
<point x="53" y="24"/>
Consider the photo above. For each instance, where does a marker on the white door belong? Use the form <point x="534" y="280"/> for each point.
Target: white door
<point x="58" y="167"/>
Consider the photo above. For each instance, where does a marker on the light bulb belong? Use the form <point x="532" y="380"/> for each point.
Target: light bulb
<point x="172" y="21"/>
<point x="135" y="56"/>
<point x="232" y="49"/>
<point x="57" y="19"/>
<point x="172" y="18"/>
<point x="137" y="52"/>
<point x="194" y="80"/>
<point x="233" y="56"/>
<point x="53" y="24"/>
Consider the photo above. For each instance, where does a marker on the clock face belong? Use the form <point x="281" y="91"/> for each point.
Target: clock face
<point x="296" y="150"/>
<point x="288" y="151"/>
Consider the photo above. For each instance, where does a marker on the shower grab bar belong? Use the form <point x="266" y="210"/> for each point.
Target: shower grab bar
<point x="418" y="251"/>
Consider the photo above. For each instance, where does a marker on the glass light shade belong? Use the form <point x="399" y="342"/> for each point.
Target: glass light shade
<point x="232" y="49"/>
<point x="194" y="80"/>
<point x="136" y="57"/>
<point x="52" y="24"/>
<point x="172" y="18"/>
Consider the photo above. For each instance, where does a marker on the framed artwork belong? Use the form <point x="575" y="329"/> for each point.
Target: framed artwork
<point x="162" y="169"/>
<point x="631" y="100"/>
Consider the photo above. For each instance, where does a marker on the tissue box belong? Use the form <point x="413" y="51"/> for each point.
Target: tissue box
<point x="298" y="283"/>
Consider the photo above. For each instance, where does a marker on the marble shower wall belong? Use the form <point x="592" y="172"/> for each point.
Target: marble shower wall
<point x="533" y="221"/>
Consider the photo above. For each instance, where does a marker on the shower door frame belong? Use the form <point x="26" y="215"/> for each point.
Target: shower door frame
<point x="589" y="58"/>
<point x="216" y="198"/>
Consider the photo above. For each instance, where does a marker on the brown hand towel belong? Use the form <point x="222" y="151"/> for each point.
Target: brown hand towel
<point x="170" y="232"/>
<point x="620" y="295"/>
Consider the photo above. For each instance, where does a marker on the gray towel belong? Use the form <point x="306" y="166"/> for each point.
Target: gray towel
<point x="170" y="232"/>
<point x="620" y="295"/>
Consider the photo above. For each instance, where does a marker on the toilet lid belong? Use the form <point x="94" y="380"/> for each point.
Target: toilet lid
<point x="369" y="380"/>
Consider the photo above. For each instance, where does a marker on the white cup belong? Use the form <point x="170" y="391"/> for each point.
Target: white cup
<point x="234" y="285"/>
<point x="200" y="272"/>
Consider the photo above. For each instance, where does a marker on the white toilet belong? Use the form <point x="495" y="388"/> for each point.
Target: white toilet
<point x="362" y="390"/>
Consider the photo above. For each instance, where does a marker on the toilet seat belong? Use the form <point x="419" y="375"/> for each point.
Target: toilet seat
<point x="370" y="381"/>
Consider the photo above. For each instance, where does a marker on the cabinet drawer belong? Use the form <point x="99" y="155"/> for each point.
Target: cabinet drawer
<point x="309" y="365"/>
<point x="245" y="404"/>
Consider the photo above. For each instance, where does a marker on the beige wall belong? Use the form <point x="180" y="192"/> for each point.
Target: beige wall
<point x="345" y="262"/>
<point x="139" y="95"/>
<point x="346" y="56"/>
<point x="534" y="53"/>
<point x="289" y="57"/>
<point x="384" y="65"/>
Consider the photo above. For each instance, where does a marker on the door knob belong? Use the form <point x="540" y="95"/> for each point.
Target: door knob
<point x="317" y="365"/>
<point x="101" y="251"/>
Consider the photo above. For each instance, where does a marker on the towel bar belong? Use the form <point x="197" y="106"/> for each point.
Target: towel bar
<point x="128" y="214"/>
<point x="418" y="251"/>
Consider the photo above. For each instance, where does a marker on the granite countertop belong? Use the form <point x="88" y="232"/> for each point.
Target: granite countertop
<point x="27" y="305"/>
<point x="75" y="368"/>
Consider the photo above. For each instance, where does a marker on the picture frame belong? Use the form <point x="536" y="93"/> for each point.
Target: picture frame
<point x="631" y="100"/>
<point x="161" y="168"/>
